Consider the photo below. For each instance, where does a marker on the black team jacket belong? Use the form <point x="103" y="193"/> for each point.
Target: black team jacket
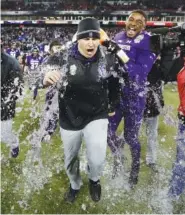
<point x="11" y="85"/>
<point x="90" y="92"/>
<point x="154" y="99"/>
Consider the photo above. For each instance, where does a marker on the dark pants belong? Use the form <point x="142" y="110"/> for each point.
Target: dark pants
<point x="35" y="93"/>
<point x="51" y="111"/>
<point x="177" y="185"/>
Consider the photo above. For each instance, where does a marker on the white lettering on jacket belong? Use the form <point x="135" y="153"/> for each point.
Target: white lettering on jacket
<point x="125" y="47"/>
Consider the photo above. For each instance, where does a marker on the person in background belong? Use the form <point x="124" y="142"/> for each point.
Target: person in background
<point x="33" y="61"/>
<point x="21" y="59"/>
<point x="51" y="108"/>
<point x="13" y="51"/>
<point x="177" y="183"/>
<point x="11" y="84"/>
<point x="153" y="108"/>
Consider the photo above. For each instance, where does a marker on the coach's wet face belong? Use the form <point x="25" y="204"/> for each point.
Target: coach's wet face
<point x="135" y="24"/>
<point x="88" y="46"/>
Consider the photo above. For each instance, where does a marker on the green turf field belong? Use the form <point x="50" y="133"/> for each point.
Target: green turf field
<point x="38" y="188"/>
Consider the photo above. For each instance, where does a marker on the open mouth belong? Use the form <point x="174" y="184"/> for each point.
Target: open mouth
<point x="90" y="50"/>
<point x="131" y="30"/>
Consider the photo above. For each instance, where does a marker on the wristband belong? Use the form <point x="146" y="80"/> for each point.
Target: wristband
<point x="123" y="57"/>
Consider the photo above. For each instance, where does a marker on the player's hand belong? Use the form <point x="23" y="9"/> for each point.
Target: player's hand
<point x="51" y="77"/>
<point x="111" y="46"/>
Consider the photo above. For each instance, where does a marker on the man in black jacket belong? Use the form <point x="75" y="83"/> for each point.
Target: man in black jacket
<point x="11" y="79"/>
<point x="83" y="105"/>
<point x="50" y="117"/>
<point x="153" y="108"/>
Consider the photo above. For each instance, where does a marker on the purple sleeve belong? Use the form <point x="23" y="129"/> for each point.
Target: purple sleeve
<point x="143" y="62"/>
<point x="141" y="59"/>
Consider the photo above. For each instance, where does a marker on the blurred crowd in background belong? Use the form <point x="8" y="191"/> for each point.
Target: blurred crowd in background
<point x="100" y="5"/>
<point x="24" y="40"/>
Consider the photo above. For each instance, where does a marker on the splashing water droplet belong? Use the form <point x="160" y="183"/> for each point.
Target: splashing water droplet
<point x="18" y="109"/>
<point x="163" y="139"/>
<point x="84" y="207"/>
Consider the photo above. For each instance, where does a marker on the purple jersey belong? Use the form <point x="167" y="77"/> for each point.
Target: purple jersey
<point x="133" y="99"/>
<point x="13" y="52"/>
<point x="21" y="37"/>
<point x="33" y="62"/>
<point x="141" y="58"/>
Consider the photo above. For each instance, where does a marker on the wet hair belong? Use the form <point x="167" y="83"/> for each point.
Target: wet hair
<point x="140" y="12"/>
<point x="54" y="43"/>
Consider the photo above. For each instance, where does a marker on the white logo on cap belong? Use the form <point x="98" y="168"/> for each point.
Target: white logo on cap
<point x="90" y="34"/>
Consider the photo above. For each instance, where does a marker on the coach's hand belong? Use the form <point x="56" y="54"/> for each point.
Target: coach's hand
<point x="51" y="78"/>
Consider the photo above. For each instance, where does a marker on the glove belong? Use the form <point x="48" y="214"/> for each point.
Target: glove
<point x="114" y="48"/>
<point x="111" y="46"/>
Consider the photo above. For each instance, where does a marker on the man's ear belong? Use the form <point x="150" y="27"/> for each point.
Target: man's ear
<point x="144" y="27"/>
